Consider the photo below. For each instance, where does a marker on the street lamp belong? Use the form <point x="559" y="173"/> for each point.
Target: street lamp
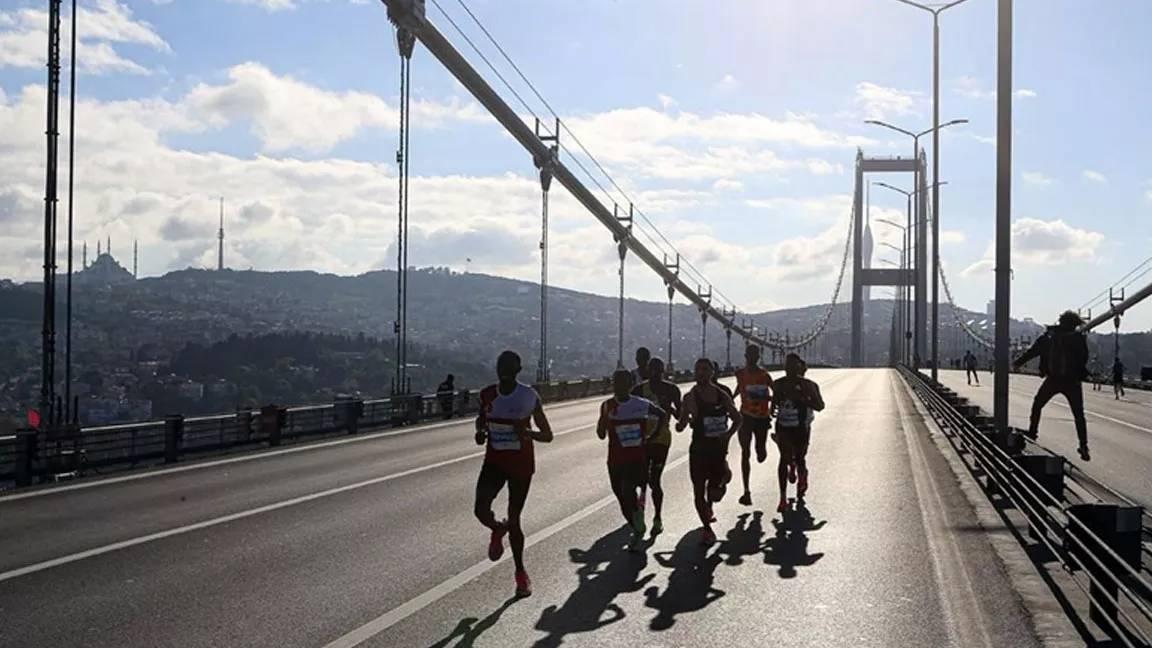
<point x="935" y="11"/>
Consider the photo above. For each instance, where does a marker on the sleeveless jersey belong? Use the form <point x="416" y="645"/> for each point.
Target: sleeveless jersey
<point x="628" y="426"/>
<point x="710" y="427"/>
<point x="663" y="434"/>
<point x="507" y="419"/>
<point x="790" y="412"/>
<point x="754" y="387"/>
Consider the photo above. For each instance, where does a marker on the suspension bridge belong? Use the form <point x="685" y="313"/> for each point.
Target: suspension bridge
<point x="929" y="522"/>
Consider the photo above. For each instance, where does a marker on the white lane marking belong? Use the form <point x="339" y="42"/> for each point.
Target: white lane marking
<point x="239" y="515"/>
<point x="258" y="455"/>
<point x="951" y="566"/>
<point x="412" y="606"/>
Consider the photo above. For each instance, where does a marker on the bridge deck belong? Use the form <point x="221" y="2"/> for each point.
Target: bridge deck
<point x="373" y="541"/>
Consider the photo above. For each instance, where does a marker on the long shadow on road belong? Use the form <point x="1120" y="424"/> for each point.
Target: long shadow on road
<point x="690" y="583"/>
<point x="788" y="549"/>
<point x="470" y="629"/>
<point x="607" y="569"/>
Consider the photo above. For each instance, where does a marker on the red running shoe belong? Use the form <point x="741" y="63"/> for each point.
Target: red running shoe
<point x="783" y="505"/>
<point x="523" y="584"/>
<point x="709" y="537"/>
<point x="496" y="542"/>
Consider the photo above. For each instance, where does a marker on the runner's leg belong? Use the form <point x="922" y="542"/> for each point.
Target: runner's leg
<point x="657" y="457"/>
<point x="745" y="436"/>
<point x="517" y="495"/>
<point x="625" y="496"/>
<point x="696" y="470"/>
<point x="488" y="486"/>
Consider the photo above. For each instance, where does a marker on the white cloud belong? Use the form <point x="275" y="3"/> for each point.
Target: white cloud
<point x="1094" y="176"/>
<point x="727" y="83"/>
<point x="881" y="102"/>
<point x="24" y="38"/>
<point x="974" y="88"/>
<point x="1024" y="93"/>
<point x="725" y="184"/>
<point x="954" y="237"/>
<point x="269" y="5"/>
<point x="1036" y="178"/>
<point x="666" y="102"/>
<point x="1040" y="242"/>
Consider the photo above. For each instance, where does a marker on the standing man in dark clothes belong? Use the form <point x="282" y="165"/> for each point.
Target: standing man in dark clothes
<point x="1118" y="378"/>
<point x="446" y="393"/>
<point x="1063" y="353"/>
<point x="970" y="367"/>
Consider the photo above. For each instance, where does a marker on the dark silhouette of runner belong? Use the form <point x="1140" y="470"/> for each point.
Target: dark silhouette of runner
<point x="970" y="367"/>
<point x="446" y="394"/>
<point x="1063" y="353"/>
<point x="1118" y="378"/>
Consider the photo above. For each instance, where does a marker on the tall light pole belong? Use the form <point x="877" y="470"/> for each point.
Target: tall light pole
<point x="899" y="304"/>
<point x="1003" y="208"/>
<point x="935" y="11"/>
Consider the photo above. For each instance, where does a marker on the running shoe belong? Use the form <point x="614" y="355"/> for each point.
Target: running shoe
<point x="657" y="526"/>
<point x="791" y="473"/>
<point x="496" y="542"/>
<point x="746" y="499"/>
<point x="709" y="537"/>
<point x="802" y="486"/>
<point x="761" y="453"/>
<point x="1084" y="454"/>
<point x="638" y="526"/>
<point x="637" y="543"/>
<point x="783" y="506"/>
<point x="523" y="584"/>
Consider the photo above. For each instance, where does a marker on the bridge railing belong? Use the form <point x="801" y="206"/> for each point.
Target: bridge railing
<point x="1096" y="535"/>
<point x="30" y="456"/>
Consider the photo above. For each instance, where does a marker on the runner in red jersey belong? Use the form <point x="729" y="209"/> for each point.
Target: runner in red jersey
<point x="625" y="422"/>
<point x="507" y="410"/>
<point x="754" y="387"/>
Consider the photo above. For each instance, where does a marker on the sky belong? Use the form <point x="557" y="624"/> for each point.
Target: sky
<point x="732" y="126"/>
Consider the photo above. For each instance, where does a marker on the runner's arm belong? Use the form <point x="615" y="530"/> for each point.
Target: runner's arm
<point x="733" y="413"/>
<point x="687" y="413"/>
<point x="815" y="399"/>
<point x="655" y="411"/>
<point x="543" y="431"/>
<point x="602" y="422"/>
<point x="482" y="425"/>
<point x="677" y="408"/>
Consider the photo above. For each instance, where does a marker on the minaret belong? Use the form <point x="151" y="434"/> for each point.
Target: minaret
<point x="135" y="258"/>
<point x="109" y="248"/>
<point x="84" y="256"/>
<point x="220" y="237"/>
<point x="97" y="248"/>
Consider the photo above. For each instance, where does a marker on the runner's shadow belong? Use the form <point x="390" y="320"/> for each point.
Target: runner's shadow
<point x="744" y="539"/>
<point x="788" y="549"/>
<point x="469" y="629"/>
<point x="607" y="569"/>
<point x="690" y="583"/>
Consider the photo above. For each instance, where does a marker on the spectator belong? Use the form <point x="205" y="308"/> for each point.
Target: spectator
<point x="1063" y="353"/>
<point x="446" y="393"/>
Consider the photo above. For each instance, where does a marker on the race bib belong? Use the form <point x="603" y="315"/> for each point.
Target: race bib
<point x="756" y="392"/>
<point x="788" y="415"/>
<point x="502" y="436"/>
<point x="630" y="435"/>
<point x="715" y="426"/>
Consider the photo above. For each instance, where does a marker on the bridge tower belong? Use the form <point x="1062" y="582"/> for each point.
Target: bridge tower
<point x="863" y="276"/>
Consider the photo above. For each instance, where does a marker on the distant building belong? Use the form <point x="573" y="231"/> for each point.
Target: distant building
<point x="191" y="390"/>
<point x="991" y="309"/>
<point x="104" y="271"/>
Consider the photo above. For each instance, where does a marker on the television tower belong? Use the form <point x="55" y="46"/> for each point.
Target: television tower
<point x="135" y="258"/>
<point x="220" y="237"/>
<point x="84" y="256"/>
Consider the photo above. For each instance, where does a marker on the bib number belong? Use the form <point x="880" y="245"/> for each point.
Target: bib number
<point x="757" y="392"/>
<point x="715" y="426"/>
<point x="789" y="415"/>
<point x="503" y="437"/>
<point x="630" y="435"/>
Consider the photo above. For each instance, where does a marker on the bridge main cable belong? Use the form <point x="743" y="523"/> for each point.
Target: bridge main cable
<point x="410" y="15"/>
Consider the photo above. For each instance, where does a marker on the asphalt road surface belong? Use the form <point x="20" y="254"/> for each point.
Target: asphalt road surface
<point x="372" y="542"/>
<point x="1119" y="431"/>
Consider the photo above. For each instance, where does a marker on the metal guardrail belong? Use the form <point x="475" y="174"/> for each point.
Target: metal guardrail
<point x="1102" y="545"/>
<point x="29" y="456"/>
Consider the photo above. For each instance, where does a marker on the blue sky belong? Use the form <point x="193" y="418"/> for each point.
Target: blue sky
<point x="732" y="124"/>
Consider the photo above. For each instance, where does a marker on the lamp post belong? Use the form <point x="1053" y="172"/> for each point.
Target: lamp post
<point x="935" y="11"/>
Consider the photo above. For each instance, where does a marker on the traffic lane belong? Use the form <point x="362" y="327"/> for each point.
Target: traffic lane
<point x="1121" y="454"/>
<point x="857" y="569"/>
<point x="343" y="555"/>
<point x="69" y="521"/>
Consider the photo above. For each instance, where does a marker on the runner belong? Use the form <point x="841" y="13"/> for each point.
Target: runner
<point x="796" y="400"/>
<point x="754" y="387"/>
<point x="716" y="380"/>
<point x="504" y="423"/>
<point x="1118" y="378"/>
<point x="626" y="421"/>
<point x="667" y="395"/>
<point x="707" y="409"/>
<point x="970" y="366"/>
<point x="640" y="373"/>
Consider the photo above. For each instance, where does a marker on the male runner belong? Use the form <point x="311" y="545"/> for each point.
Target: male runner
<point x="708" y="410"/>
<point x="716" y="380"/>
<point x="796" y="398"/>
<point x="504" y="423"/>
<point x="667" y="395"/>
<point x="640" y="373"/>
<point x="626" y="421"/>
<point x="754" y="387"/>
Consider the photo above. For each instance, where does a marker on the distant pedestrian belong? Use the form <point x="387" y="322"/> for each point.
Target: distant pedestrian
<point x="1096" y="374"/>
<point x="970" y="367"/>
<point x="1118" y="378"/>
<point x="1063" y="353"/>
<point x="640" y="373"/>
<point x="446" y="393"/>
